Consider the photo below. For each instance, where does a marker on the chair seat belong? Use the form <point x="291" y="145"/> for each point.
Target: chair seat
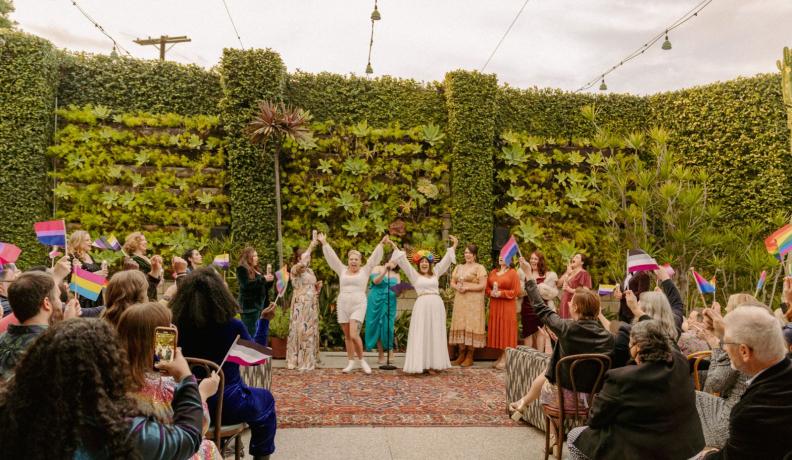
<point x="553" y="410"/>
<point x="226" y="431"/>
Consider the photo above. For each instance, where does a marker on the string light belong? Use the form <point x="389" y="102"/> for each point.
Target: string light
<point x="641" y="49"/>
<point x="230" y="18"/>
<point x="508" y="29"/>
<point x="375" y="16"/>
<point x="101" y="29"/>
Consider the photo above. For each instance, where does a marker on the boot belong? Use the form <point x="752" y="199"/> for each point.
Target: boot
<point x="468" y="357"/>
<point x="460" y="356"/>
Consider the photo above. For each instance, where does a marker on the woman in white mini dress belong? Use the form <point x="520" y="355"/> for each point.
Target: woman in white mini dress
<point x="351" y="305"/>
<point x="427" y="349"/>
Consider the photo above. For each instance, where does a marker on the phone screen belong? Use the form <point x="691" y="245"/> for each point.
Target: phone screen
<point x="165" y="344"/>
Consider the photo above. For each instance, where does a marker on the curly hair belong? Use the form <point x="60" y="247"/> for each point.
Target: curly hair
<point x="652" y="341"/>
<point x="132" y="242"/>
<point x="124" y="289"/>
<point x="246" y="260"/>
<point x="69" y="393"/>
<point x="202" y="300"/>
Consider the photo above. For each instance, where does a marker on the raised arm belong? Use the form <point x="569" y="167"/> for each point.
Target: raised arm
<point x="548" y="289"/>
<point x="374" y="259"/>
<point x="445" y="263"/>
<point x="332" y="259"/>
<point x="400" y="258"/>
<point x="674" y="298"/>
<point x="548" y="317"/>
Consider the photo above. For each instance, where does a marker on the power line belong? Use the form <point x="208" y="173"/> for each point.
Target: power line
<point x="504" y="36"/>
<point x="101" y="29"/>
<point x="160" y="43"/>
<point x="693" y="12"/>
<point x="233" y="25"/>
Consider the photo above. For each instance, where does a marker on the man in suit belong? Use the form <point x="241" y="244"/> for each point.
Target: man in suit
<point x="759" y="424"/>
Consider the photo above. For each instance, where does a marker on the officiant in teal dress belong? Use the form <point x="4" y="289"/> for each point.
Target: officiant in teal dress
<point x="381" y="309"/>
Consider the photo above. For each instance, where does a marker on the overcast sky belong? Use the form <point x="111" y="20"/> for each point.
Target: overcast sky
<point x="555" y="43"/>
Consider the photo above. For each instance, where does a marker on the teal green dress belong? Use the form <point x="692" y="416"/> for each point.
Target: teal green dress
<point x="380" y="313"/>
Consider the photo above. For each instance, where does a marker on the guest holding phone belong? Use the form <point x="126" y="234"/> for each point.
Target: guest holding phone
<point x="254" y="287"/>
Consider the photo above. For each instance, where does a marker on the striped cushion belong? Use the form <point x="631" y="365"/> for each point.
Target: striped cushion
<point x="257" y="376"/>
<point x="523" y="365"/>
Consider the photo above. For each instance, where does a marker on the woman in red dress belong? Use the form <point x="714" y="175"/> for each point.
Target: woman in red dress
<point x="503" y="287"/>
<point x="576" y="276"/>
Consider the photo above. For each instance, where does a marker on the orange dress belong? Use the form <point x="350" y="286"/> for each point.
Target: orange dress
<point x="502" y="327"/>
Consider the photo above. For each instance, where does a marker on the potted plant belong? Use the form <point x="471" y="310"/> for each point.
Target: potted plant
<point x="279" y="332"/>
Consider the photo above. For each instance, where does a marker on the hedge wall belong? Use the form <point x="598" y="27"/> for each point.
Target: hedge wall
<point x="28" y="76"/>
<point x="382" y="101"/>
<point x="130" y="85"/>
<point x="247" y="77"/>
<point x="470" y="98"/>
<point x="737" y="131"/>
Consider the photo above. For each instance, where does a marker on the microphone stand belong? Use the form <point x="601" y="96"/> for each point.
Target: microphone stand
<point x="388" y="366"/>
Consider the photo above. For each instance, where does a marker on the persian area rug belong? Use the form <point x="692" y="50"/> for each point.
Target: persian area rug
<point x="327" y="397"/>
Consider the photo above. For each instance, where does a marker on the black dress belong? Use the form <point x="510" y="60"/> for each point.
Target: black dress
<point x="145" y="266"/>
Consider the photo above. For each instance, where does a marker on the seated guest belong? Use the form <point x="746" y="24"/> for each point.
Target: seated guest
<point x="8" y="273"/>
<point x="759" y="424"/>
<point x="694" y="337"/>
<point x="204" y="311"/>
<point x="150" y="391"/>
<point x="69" y="401"/>
<point x="638" y="283"/>
<point x="580" y="334"/>
<point x="124" y="289"/>
<point x="643" y="411"/>
<point x="35" y="301"/>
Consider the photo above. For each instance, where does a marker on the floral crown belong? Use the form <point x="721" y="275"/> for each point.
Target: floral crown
<point x="422" y="254"/>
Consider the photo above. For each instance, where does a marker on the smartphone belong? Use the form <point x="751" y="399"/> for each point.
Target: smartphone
<point x="313" y="235"/>
<point x="269" y="269"/>
<point x="165" y="339"/>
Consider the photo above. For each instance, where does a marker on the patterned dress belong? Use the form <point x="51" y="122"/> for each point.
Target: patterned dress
<point x="502" y="331"/>
<point x="582" y="279"/>
<point x="380" y="312"/>
<point x="154" y="399"/>
<point x="303" y="342"/>
<point x="468" y="319"/>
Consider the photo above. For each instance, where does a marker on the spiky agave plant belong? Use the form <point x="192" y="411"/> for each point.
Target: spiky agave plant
<point x="277" y="121"/>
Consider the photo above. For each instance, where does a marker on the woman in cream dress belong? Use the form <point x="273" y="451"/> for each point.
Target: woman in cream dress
<point x="351" y="305"/>
<point x="302" y="345"/>
<point x="427" y="349"/>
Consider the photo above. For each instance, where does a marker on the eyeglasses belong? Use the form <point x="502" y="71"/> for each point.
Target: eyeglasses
<point x="722" y="343"/>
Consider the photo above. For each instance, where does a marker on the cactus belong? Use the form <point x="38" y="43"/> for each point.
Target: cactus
<point x="785" y="67"/>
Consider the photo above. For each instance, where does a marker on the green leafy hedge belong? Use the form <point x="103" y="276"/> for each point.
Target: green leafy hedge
<point x="131" y="85"/>
<point x="164" y="174"/>
<point x="248" y="77"/>
<point x="736" y="131"/>
<point x="382" y="101"/>
<point x="357" y="180"/>
<point x="28" y="79"/>
<point x="470" y="98"/>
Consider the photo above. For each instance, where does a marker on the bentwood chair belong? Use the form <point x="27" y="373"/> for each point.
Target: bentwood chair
<point x="586" y="374"/>
<point x="695" y="360"/>
<point x="219" y="433"/>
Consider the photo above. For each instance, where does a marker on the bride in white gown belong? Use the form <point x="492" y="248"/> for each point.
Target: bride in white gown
<point x="427" y="347"/>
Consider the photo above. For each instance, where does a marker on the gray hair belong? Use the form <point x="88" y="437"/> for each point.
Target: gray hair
<point x="656" y="305"/>
<point x="653" y="343"/>
<point x="756" y="328"/>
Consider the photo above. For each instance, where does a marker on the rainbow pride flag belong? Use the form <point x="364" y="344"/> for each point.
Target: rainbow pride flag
<point x="9" y="253"/>
<point x="704" y="286"/>
<point x="606" y="289"/>
<point x="87" y="284"/>
<point x="107" y="242"/>
<point x="281" y="280"/>
<point x="509" y="250"/>
<point x="762" y="278"/>
<point x="51" y="233"/>
<point x="222" y="261"/>
<point x="780" y="242"/>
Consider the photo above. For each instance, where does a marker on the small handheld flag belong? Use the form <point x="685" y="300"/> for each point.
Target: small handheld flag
<point x="639" y="261"/>
<point x="51" y="233"/>
<point x="55" y="253"/>
<point x="606" y="289"/>
<point x="9" y="253"/>
<point x="780" y="242"/>
<point x="509" y="250"/>
<point x="221" y="261"/>
<point x="247" y="353"/>
<point x="87" y="284"/>
<point x="282" y="280"/>
<point x="107" y="242"/>
<point x="704" y="286"/>
<point x="669" y="269"/>
<point x="762" y="278"/>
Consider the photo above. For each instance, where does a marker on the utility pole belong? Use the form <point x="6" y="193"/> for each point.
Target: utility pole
<point x="161" y="42"/>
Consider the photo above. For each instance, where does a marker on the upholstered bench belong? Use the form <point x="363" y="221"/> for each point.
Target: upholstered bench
<point x="523" y="365"/>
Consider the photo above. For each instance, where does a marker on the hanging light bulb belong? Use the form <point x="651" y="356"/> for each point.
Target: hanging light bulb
<point x="369" y="69"/>
<point x="114" y="53"/>
<point x="667" y="43"/>
<point x="375" y="15"/>
<point x="603" y="86"/>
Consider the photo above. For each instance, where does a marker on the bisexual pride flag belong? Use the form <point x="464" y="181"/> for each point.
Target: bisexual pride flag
<point x="51" y="233"/>
<point x="704" y="286"/>
<point x="9" y="253"/>
<point x="762" y="278"/>
<point x="509" y="250"/>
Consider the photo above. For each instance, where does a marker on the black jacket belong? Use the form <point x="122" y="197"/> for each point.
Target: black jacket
<point x="760" y="424"/>
<point x="645" y="411"/>
<point x="253" y="293"/>
<point x="574" y="337"/>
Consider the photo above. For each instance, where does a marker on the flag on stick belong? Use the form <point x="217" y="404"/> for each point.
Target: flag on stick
<point x="704" y="286"/>
<point x="282" y="280"/>
<point x="51" y="233"/>
<point x="509" y="250"/>
<point x="9" y="253"/>
<point x="222" y="261"/>
<point x="780" y="242"/>
<point x="55" y="253"/>
<point x="762" y="278"/>
<point x="247" y="353"/>
<point x="87" y="284"/>
<point x="639" y="261"/>
<point x="606" y="289"/>
<point x="107" y="242"/>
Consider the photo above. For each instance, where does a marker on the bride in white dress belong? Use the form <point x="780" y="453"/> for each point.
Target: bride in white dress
<point x="426" y="342"/>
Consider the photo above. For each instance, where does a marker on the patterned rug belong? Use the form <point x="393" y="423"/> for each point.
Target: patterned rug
<point x="327" y="397"/>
